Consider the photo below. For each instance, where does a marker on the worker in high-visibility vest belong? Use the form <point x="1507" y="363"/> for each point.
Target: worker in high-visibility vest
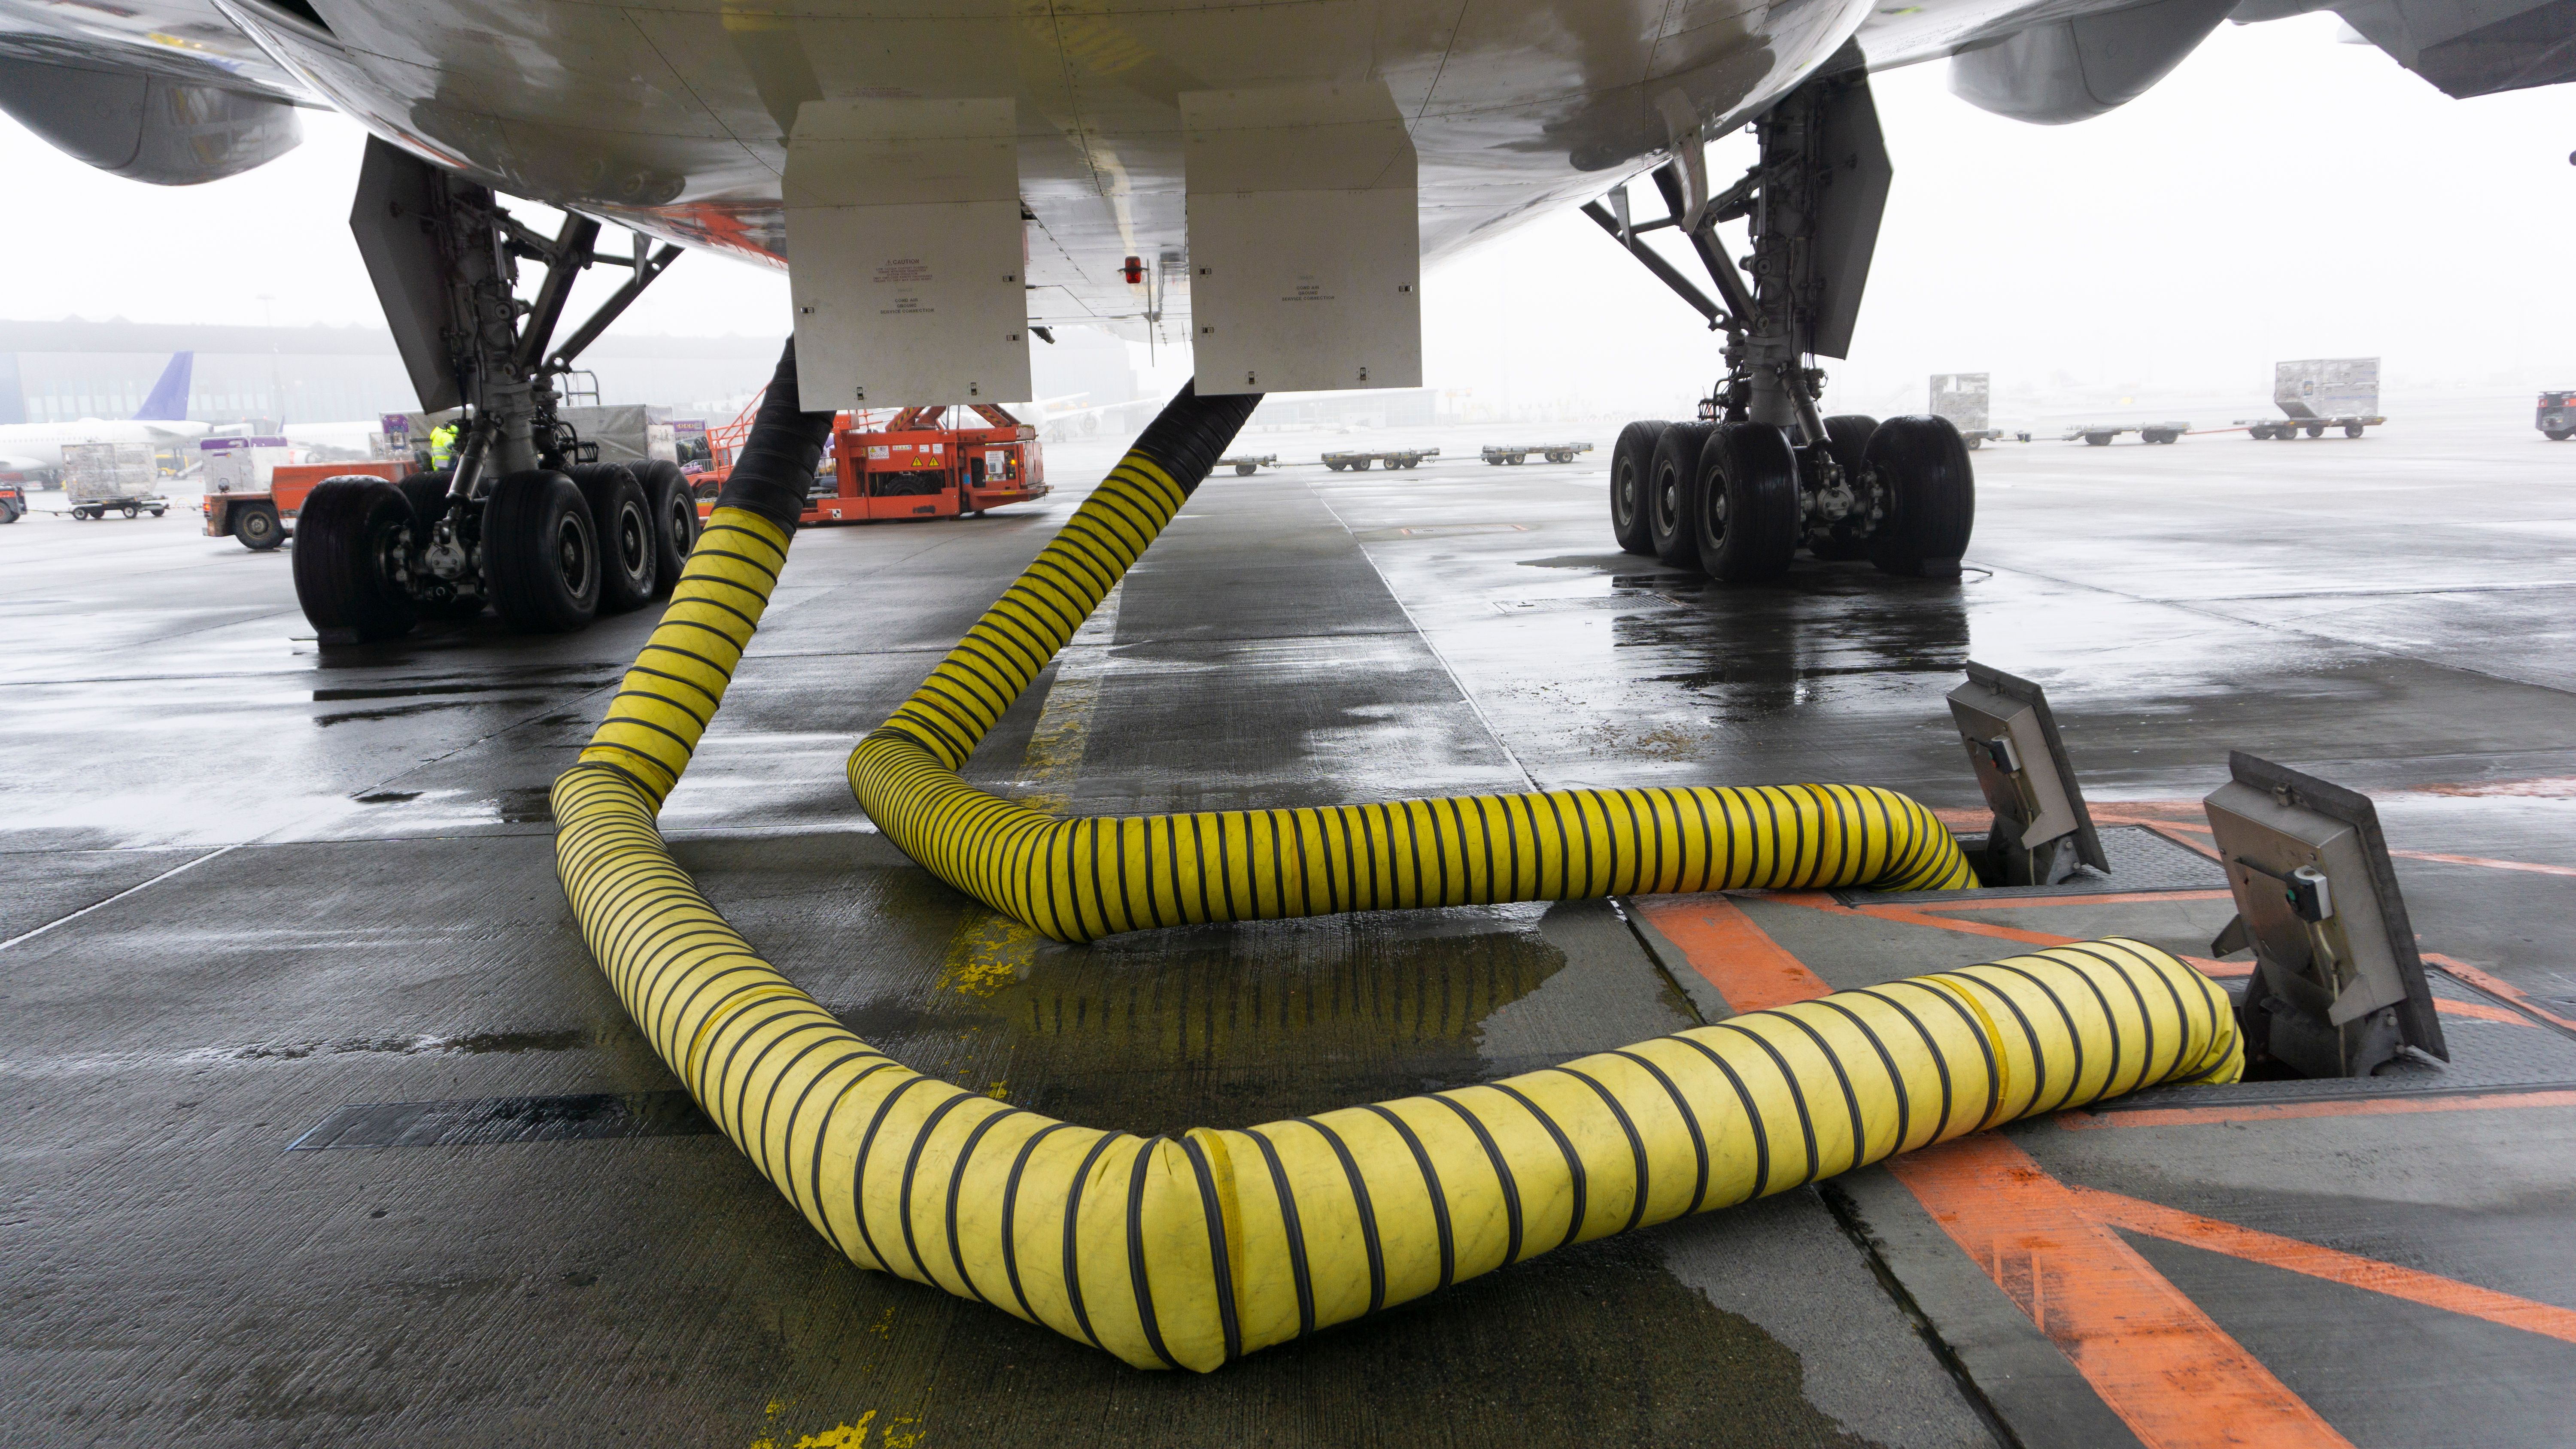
<point x="442" y="440"/>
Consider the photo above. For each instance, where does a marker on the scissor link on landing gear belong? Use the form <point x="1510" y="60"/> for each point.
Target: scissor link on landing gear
<point x="528" y="519"/>
<point x="1761" y="474"/>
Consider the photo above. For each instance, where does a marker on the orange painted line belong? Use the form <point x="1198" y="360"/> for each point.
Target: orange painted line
<point x="2430" y="1289"/>
<point x="2143" y="812"/>
<point x="2533" y="866"/>
<point x="2292" y="1111"/>
<point x="2167" y="829"/>
<point x="2176" y="1378"/>
<point x="2482" y="1011"/>
<point x="1737" y="957"/>
<point x="1922" y="916"/>
<point x="2495" y="985"/>
<point x="2106" y="898"/>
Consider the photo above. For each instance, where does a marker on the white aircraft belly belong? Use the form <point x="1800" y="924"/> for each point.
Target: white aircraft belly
<point x="673" y="118"/>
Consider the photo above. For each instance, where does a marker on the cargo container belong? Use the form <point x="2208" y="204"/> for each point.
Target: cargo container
<point x="2318" y="393"/>
<point x="105" y="478"/>
<point x="1962" y="397"/>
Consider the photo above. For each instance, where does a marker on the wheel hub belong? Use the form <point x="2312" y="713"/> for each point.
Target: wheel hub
<point x="634" y="540"/>
<point x="572" y="554"/>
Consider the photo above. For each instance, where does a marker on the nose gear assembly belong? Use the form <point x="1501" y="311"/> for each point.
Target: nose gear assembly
<point x="1761" y="474"/>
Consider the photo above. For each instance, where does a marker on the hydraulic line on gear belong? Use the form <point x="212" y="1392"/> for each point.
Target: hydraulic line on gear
<point x="1191" y="1249"/>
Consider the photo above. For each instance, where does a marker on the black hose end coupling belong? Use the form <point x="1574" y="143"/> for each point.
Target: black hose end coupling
<point x="1191" y="432"/>
<point x="774" y="473"/>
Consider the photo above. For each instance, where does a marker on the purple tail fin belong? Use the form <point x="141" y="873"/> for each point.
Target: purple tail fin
<point x="169" y="400"/>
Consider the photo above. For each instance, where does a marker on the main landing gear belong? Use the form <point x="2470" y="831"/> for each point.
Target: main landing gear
<point x="1759" y="476"/>
<point x="528" y="522"/>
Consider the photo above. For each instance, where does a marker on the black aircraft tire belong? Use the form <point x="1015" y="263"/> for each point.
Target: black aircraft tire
<point x="623" y="519"/>
<point x="427" y="495"/>
<point x="1847" y="439"/>
<point x="675" y="520"/>
<point x="1672" y="500"/>
<point x="541" y="553"/>
<point x="347" y="540"/>
<point x="1746" y="525"/>
<point x="1630" y="459"/>
<point x="1931" y="493"/>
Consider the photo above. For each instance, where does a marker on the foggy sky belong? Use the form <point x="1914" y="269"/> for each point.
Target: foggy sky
<point x="2280" y="195"/>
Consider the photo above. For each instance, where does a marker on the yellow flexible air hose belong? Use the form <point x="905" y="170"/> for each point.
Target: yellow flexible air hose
<point x="1083" y="878"/>
<point x="1191" y="1249"/>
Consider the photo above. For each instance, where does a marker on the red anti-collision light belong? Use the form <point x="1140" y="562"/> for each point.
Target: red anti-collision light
<point x="1135" y="270"/>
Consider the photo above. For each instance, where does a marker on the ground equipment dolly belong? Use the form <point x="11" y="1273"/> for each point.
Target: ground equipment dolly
<point x="1392" y="458"/>
<point x="2288" y="428"/>
<point x="2099" y="435"/>
<point x="1553" y="452"/>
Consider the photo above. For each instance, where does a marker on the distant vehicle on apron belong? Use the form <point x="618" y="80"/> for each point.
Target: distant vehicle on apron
<point x="2557" y="416"/>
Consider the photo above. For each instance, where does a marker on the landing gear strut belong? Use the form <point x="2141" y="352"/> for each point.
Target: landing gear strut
<point x="1761" y="475"/>
<point x="528" y="521"/>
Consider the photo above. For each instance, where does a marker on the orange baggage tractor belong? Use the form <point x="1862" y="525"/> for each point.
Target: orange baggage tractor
<point x="914" y="466"/>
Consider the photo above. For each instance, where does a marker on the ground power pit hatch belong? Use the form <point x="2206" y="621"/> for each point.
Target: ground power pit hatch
<point x="2041" y="832"/>
<point x="2338" y="988"/>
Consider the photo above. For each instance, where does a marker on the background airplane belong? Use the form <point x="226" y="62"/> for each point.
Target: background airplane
<point x="161" y="421"/>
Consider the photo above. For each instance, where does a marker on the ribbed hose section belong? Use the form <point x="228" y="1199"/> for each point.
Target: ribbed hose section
<point x="1192" y="1249"/>
<point x="1189" y="1250"/>
<point x="1080" y="879"/>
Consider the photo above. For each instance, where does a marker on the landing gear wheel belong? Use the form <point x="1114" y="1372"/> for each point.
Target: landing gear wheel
<point x="1922" y="465"/>
<point x="1747" y="525"/>
<point x="540" y="553"/>
<point x="624" y="524"/>
<point x="1672" y="502"/>
<point x="257" y="528"/>
<point x="675" y="520"/>
<point x="1630" y="458"/>
<point x="1847" y="440"/>
<point x="349" y="565"/>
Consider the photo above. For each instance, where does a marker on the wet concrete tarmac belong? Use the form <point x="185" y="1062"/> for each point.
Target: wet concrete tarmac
<point x="318" y="1124"/>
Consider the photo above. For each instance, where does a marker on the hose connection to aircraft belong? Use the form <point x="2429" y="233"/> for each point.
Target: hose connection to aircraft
<point x="1190" y="1249"/>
